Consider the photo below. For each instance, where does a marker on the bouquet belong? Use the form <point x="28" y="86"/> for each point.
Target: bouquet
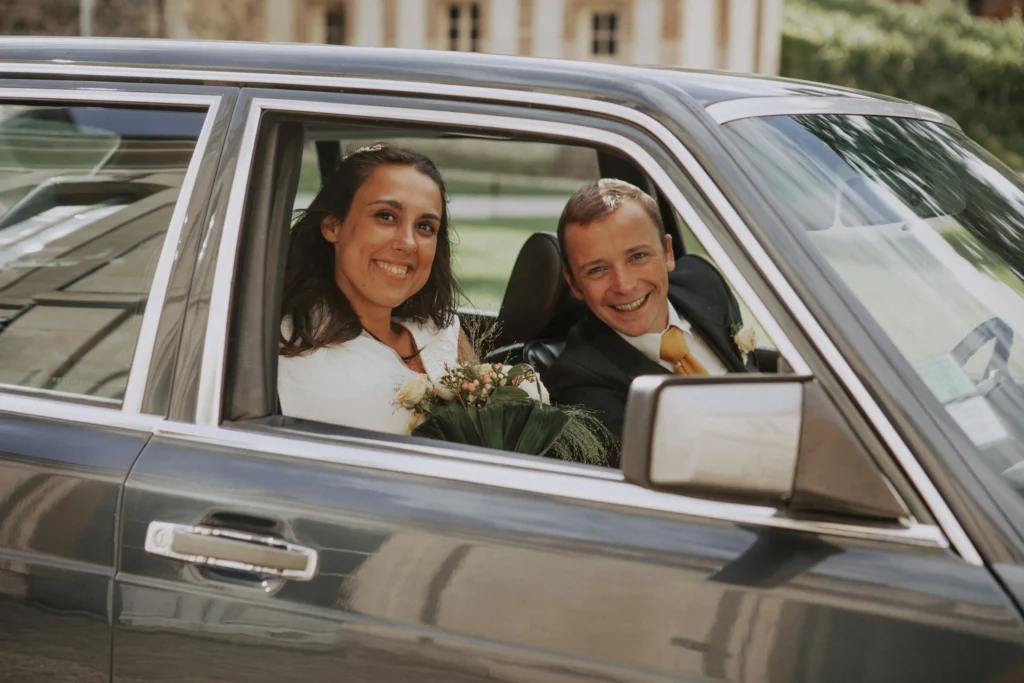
<point x="504" y="407"/>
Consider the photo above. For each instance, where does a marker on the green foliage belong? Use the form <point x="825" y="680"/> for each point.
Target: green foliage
<point x="936" y="54"/>
<point x="519" y="425"/>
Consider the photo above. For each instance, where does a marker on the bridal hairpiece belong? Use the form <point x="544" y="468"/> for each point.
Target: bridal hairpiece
<point x="372" y="148"/>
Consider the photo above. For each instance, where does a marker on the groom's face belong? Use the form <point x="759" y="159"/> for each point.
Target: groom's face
<point x="619" y="266"/>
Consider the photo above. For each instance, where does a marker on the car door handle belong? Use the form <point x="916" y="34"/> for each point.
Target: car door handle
<point x="230" y="549"/>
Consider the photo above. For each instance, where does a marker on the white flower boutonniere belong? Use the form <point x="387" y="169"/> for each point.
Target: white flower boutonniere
<point x="745" y="339"/>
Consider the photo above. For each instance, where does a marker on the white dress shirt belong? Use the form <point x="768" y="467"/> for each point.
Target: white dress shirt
<point x="650" y="345"/>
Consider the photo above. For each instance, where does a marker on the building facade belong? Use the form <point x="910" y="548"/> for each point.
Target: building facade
<point x="737" y="35"/>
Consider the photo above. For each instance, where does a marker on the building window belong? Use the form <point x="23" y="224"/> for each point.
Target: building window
<point x="605" y="37"/>
<point x="336" y="26"/>
<point x="464" y="26"/>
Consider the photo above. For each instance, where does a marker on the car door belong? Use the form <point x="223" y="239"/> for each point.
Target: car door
<point x="96" y="189"/>
<point x="257" y="547"/>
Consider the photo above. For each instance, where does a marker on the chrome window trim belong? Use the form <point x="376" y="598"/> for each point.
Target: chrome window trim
<point x="139" y="370"/>
<point x="208" y="411"/>
<point x="931" y="496"/>
<point x="211" y="373"/>
<point x="758" y="107"/>
<point x="576" y="485"/>
<point x="46" y="407"/>
<point x="37" y="392"/>
<point x="139" y="373"/>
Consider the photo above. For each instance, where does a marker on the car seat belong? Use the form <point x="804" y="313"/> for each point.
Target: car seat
<point x="538" y="307"/>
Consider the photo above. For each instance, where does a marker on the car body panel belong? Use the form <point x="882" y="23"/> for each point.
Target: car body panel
<point x="441" y="580"/>
<point x="60" y="487"/>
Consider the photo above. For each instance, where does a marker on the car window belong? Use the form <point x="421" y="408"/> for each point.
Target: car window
<point x="506" y="197"/>
<point x="925" y="229"/>
<point x="500" y="191"/>
<point x="86" y="196"/>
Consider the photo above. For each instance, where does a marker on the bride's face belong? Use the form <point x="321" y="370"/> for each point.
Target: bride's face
<point x="385" y="246"/>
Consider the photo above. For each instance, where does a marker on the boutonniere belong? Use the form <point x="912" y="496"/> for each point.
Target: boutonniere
<point x="745" y="339"/>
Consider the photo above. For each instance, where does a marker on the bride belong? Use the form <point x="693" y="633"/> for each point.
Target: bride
<point x="369" y="294"/>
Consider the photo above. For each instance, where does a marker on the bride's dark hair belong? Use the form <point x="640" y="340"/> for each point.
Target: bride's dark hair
<point x="319" y="313"/>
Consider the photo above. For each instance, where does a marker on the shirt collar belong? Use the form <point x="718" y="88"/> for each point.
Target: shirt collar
<point x="675" y="320"/>
<point x="650" y="344"/>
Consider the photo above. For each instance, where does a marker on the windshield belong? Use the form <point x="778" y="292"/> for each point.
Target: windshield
<point x="927" y="230"/>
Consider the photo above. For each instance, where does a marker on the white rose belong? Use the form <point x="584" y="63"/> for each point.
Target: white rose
<point x="746" y="340"/>
<point x="412" y="393"/>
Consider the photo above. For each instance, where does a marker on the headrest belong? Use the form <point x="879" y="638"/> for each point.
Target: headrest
<point x="538" y="303"/>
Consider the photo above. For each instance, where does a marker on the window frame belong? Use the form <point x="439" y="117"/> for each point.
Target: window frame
<point x="608" y="36"/>
<point x="214" y="363"/>
<point x="334" y="9"/>
<point x="409" y="456"/>
<point x="95" y="409"/>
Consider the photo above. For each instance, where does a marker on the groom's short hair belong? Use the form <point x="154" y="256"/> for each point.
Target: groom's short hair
<point x="599" y="198"/>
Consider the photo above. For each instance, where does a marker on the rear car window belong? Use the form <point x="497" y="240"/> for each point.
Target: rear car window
<point x="86" y="198"/>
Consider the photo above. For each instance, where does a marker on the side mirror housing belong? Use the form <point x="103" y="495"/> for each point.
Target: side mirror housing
<point x="766" y="439"/>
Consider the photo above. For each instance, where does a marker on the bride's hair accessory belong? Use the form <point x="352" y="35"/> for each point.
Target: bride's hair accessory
<point x="372" y="148"/>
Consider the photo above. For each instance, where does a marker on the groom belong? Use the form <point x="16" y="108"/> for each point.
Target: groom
<point x="648" y="313"/>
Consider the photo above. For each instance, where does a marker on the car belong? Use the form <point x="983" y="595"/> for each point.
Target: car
<point x="853" y="513"/>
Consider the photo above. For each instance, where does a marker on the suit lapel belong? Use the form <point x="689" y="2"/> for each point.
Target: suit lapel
<point x="618" y="351"/>
<point x="712" y="325"/>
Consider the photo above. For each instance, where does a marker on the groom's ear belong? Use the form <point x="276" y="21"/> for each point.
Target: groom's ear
<point x="572" y="284"/>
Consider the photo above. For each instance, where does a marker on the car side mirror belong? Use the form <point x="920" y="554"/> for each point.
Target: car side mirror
<point x="765" y="439"/>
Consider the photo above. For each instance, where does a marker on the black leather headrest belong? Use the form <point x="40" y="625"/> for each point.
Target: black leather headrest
<point x="538" y="303"/>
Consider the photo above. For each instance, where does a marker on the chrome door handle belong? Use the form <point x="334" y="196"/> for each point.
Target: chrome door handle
<point x="230" y="549"/>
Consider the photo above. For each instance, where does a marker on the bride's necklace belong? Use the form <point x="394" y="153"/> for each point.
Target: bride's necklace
<point x="405" y="359"/>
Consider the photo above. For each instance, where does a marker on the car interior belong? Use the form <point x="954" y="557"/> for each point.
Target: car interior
<point x="536" y="310"/>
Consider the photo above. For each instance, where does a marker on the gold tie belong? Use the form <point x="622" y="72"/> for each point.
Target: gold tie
<point x="675" y="350"/>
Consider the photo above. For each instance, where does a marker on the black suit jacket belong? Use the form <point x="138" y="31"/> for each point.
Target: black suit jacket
<point x="597" y="365"/>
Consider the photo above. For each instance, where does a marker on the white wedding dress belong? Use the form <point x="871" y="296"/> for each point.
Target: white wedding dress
<point x="354" y="383"/>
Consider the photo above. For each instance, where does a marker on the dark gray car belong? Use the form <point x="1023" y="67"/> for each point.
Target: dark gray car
<point x="853" y="513"/>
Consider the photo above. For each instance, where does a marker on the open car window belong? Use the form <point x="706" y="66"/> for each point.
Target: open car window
<point x="507" y="193"/>
<point x="86" y="196"/>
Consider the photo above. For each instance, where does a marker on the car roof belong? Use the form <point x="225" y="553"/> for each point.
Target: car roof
<point x="585" y="79"/>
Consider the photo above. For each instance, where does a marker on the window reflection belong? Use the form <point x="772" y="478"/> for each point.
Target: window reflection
<point x="927" y="230"/>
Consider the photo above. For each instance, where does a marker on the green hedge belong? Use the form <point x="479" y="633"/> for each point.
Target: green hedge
<point x="936" y="55"/>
